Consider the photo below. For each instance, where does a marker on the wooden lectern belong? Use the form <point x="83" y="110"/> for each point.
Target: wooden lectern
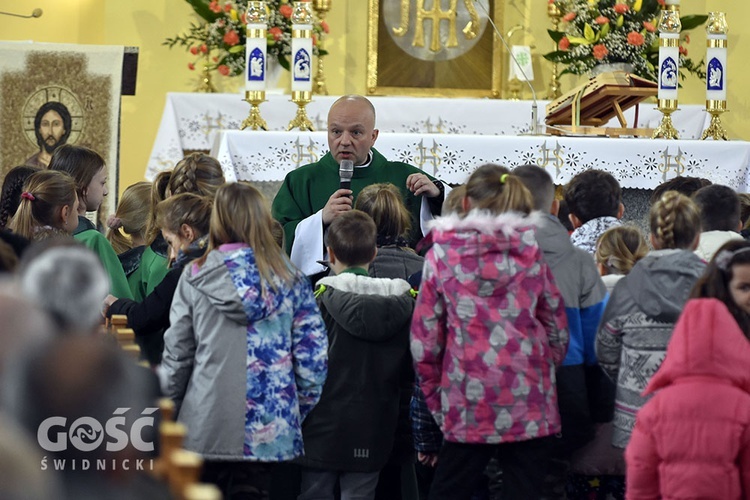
<point x="587" y="109"/>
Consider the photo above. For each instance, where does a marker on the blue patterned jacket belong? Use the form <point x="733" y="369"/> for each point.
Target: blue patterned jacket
<point x="232" y="335"/>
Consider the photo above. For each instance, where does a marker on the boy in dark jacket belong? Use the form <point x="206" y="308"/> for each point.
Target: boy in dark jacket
<point x="351" y="432"/>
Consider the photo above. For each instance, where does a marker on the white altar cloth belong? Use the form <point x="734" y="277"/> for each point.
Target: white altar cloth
<point x="636" y="163"/>
<point x="192" y="121"/>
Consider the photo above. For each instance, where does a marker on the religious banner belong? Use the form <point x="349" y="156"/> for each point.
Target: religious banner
<point x="443" y="48"/>
<point x="55" y="94"/>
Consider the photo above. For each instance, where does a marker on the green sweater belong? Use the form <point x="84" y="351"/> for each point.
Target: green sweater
<point x="149" y="274"/>
<point x="307" y="189"/>
<point x="87" y="234"/>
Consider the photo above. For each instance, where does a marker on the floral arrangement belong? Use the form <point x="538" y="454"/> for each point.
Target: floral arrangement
<point x="220" y="35"/>
<point x="617" y="31"/>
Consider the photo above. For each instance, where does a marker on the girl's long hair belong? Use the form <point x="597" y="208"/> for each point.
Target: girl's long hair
<point x="384" y="203"/>
<point x="185" y="208"/>
<point x="11" y="193"/>
<point x="675" y="221"/>
<point x="158" y="194"/>
<point x="241" y="214"/>
<point x="50" y="190"/>
<point x="715" y="280"/>
<point x="494" y="189"/>
<point x="132" y="216"/>
<point x="81" y="163"/>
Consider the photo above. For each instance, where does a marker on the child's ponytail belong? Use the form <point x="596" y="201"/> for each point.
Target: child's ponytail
<point x="675" y="221"/>
<point x="495" y="189"/>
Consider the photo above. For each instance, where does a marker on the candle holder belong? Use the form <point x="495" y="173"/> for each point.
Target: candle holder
<point x="321" y="8"/>
<point x="669" y="69"/>
<point x="666" y="129"/>
<point x="301" y="121"/>
<point x="555" y="14"/>
<point x="716" y="75"/>
<point x="254" y="120"/>
<point x="206" y="85"/>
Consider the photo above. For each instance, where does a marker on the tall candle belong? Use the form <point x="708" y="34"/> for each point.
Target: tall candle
<point x="669" y="51"/>
<point x="302" y="47"/>
<point x="255" y="46"/>
<point x="716" y="55"/>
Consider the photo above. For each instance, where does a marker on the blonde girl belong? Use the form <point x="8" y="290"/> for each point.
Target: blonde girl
<point x="489" y="329"/>
<point x="617" y="251"/>
<point x="637" y="323"/>
<point x="48" y="204"/>
<point x="89" y="172"/>
<point x="243" y="321"/>
<point x="197" y="173"/>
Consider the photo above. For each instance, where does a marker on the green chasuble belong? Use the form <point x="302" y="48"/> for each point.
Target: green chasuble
<point x="307" y="189"/>
<point x="87" y="234"/>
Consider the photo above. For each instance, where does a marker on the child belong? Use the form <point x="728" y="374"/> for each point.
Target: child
<point x="594" y="199"/>
<point x="155" y="260"/>
<point x="395" y="259"/>
<point x="89" y="172"/>
<point x="489" y="329"/>
<point x="350" y="434"/>
<point x="197" y="173"/>
<point x="127" y="231"/>
<point x="692" y="440"/>
<point x="48" y="204"/>
<point x="243" y="323"/>
<point x="720" y="218"/>
<point x="644" y="306"/>
<point x="184" y="219"/>
<point x="617" y="251"/>
<point x="11" y="191"/>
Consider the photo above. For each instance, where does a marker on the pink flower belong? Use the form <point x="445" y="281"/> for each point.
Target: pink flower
<point x="286" y="10"/>
<point x="635" y="38"/>
<point x="600" y="51"/>
<point x="325" y="27"/>
<point x="227" y="7"/>
<point x="231" y="38"/>
<point x="621" y="8"/>
<point x="569" y="17"/>
<point x="204" y="48"/>
<point x="564" y="43"/>
<point x="683" y="51"/>
<point x="214" y="6"/>
<point x="649" y="26"/>
<point x="276" y="33"/>
<point x="191" y="66"/>
<point x="223" y="69"/>
<point x="194" y="50"/>
<point x="215" y="59"/>
<point x="601" y="20"/>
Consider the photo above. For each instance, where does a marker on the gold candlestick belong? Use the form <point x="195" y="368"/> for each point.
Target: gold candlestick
<point x="666" y="129"/>
<point x="206" y="85"/>
<point x="715" y="129"/>
<point x="254" y="120"/>
<point x="301" y="121"/>
<point x="554" y="13"/>
<point x="321" y="8"/>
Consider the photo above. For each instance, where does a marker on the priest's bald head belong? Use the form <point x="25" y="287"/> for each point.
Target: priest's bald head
<point x="351" y="129"/>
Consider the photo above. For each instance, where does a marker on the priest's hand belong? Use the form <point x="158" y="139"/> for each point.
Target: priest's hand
<point x="337" y="204"/>
<point x="421" y="184"/>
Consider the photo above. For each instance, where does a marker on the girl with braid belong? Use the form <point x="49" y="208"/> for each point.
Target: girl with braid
<point x="11" y="192"/>
<point x="644" y="306"/>
<point x="197" y="173"/>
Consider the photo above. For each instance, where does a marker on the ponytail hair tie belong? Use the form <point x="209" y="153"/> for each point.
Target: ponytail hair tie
<point x="113" y="222"/>
<point x="503" y="178"/>
<point x="27" y="196"/>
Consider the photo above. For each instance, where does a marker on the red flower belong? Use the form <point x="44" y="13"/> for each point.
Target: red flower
<point x="662" y="3"/>
<point x="635" y="38"/>
<point x="204" y="48"/>
<point x="215" y="58"/>
<point x="194" y="50"/>
<point x="231" y="38"/>
<point x="326" y="29"/>
<point x="214" y="6"/>
<point x="564" y="43"/>
<point x="621" y="8"/>
<point x="601" y="20"/>
<point x="276" y="32"/>
<point x="314" y="40"/>
<point x="649" y="26"/>
<point x="600" y="51"/>
<point x="683" y="51"/>
<point x="243" y="18"/>
<point x="223" y="69"/>
<point x="227" y="7"/>
<point x="286" y="10"/>
<point x="569" y="17"/>
<point x="191" y="66"/>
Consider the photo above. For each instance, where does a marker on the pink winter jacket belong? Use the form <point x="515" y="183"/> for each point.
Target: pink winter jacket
<point x="488" y="329"/>
<point x="692" y="439"/>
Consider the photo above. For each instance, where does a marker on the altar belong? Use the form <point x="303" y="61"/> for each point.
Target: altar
<point x="194" y="121"/>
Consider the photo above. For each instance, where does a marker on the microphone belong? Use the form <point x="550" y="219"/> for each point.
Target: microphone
<point x="346" y="172"/>
<point x="35" y="13"/>
<point x="534" y="128"/>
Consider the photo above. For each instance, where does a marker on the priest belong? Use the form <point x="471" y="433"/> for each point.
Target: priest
<point x="310" y="198"/>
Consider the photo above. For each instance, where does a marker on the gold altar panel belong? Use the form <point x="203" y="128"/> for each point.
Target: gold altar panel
<point x="406" y="55"/>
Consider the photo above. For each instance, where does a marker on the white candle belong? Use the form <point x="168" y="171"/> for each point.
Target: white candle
<point x="716" y="55"/>
<point x="255" y="57"/>
<point x="669" y="65"/>
<point x="302" y="47"/>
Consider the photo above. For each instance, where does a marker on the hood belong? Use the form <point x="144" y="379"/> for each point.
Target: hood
<point x="710" y="242"/>
<point x="554" y="240"/>
<point x="706" y="342"/>
<point x="230" y="281"/>
<point x="373" y="309"/>
<point x="660" y="283"/>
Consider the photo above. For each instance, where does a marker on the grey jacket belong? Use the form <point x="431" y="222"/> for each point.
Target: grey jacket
<point x="395" y="262"/>
<point x="244" y="362"/>
<point x="637" y="325"/>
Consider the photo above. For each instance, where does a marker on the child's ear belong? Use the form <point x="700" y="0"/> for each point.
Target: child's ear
<point x="64" y="214"/>
<point x="187" y="232"/>
<point x="555" y="208"/>
<point x="620" y="211"/>
<point x="575" y="221"/>
<point x="331" y="255"/>
<point x="465" y="204"/>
